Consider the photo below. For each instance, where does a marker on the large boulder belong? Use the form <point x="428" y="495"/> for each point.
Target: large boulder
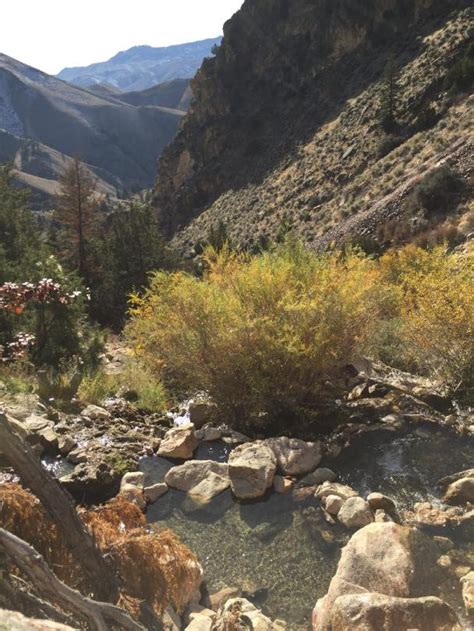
<point x="460" y="492"/>
<point x="355" y="513"/>
<point x="385" y="558"/>
<point x="373" y="612"/>
<point x="252" y="467"/>
<point x="179" y="442"/>
<point x="294" y="456"/>
<point x="202" y="479"/>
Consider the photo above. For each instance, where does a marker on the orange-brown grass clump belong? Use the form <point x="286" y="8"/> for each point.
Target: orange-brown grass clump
<point x="154" y="565"/>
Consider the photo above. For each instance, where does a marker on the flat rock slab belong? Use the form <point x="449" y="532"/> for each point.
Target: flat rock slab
<point x="202" y="479"/>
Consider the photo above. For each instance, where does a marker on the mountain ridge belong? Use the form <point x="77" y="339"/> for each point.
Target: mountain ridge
<point x="142" y="67"/>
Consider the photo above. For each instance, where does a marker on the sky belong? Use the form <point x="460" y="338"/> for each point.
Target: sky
<point x="53" y="34"/>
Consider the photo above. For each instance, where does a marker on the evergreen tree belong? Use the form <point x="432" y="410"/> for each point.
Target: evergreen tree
<point x="77" y="205"/>
<point x="389" y="103"/>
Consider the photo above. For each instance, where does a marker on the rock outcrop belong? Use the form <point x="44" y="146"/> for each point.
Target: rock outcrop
<point x="387" y="569"/>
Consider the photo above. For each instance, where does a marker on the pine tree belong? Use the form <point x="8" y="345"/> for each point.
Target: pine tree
<point x="389" y="103"/>
<point x="77" y="205"/>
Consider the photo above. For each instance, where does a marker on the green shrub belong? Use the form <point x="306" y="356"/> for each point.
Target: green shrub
<point x="261" y="334"/>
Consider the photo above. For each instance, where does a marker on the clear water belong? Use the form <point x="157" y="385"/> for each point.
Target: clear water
<point x="281" y="552"/>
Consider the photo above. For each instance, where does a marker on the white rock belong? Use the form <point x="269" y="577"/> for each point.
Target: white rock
<point x="179" y="442"/>
<point x="202" y="479"/>
<point x="294" y="456"/>
<point x="154" y="492"/>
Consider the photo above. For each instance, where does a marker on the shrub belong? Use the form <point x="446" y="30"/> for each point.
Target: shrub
<point x="436" y="311"/>
<point x="438" y="192"/>
<point x="259" y="334"/>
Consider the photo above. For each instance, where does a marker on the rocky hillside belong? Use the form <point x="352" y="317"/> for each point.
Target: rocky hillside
<point x="285" y="131"/>
<point x="142" y="67"/>
<point x="44" y="121"/>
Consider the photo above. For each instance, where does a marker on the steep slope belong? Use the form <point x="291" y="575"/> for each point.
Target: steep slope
<point x="143" y="67"/>
<point x="175" y="94"/>
<point x="284" y="130"/>
<point x="118" y="140"/>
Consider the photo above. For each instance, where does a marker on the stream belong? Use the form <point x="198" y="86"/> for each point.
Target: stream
<point x="279" y="550"/>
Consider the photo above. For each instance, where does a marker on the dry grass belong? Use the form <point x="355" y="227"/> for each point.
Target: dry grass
<point x="153" y="564"/>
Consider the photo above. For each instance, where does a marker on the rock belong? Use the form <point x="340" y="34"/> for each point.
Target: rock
<point x="22" y="406"/>
<point x="252" y="467"/>
<point x="78" y="455"/>
<point x="202" y="479"/>
<point x="201" y="411"/>
<point x="95" y="480"/>
<point x="378" y="501"/>
<point x="427" y="515"/>
<point x="66" y="444"/>
<point x="95" y="413"/>
<point x="318" y="477"/>
<point x="15" y="621"/>
<point x="221" y="597"/>
<point x="210" y="434"/>
<point x="154" y="492"/>
<point x="334" y="488"/>
<point x="48" y="439"/>
<point x="231" y="437"/>
<point x="134" y="478"/>
<point x="385" y="558"/>
<point x="303" y="494"/>
<point x="179" y="442"/>
<point x="240" y="614"/>
<point x="460" y="492"/>
<point x="170" y="620"/>
<point x="373" y="612"/>
<point x="443" y="483"/>
<point x="445" y="544"/>
<point x="381" y="516"/>
<point x="467" y="583"/>
<point x="355" y="513"/>
<point x="194" y="611"/>
<point x="199" y="623"/>
<point x="283" y="485"/>
<point x="133" y="494"/>
<point x="294" y="456"/>
<point x="333" y="504"/>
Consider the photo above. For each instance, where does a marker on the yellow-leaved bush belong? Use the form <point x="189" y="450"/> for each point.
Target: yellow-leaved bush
<point x="259" y="334"/>
<point x="264" y="334"/>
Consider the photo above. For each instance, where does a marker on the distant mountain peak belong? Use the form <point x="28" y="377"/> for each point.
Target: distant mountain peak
<point x="142" y="67"/>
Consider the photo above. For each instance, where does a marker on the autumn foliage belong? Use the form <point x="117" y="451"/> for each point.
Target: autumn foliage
<point x="263" y="335"/>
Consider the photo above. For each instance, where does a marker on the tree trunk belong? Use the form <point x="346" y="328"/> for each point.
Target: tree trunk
<point x="99" y="616"/>
<point x="60" y="507"/>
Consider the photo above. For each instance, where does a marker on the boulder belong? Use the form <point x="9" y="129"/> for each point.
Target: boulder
<point x="467" y="583"/>
<point x="66" y="444"/>
<point x="95" y="413"/>
<point x="294" y="456"/>
<point x="154" y="492"/>
<point x="334" y="488"/>
<point x="133" y="478"/>
<point x="240" y="614"/>
<point x="200" y="623"/>
<point x="201" y="412"/>
<point x="252" y="467"/>
<point x="355" y="513"/>
<point x="378" y="501"/>
<point x="373" y="612"/>
<point x="449" y="479"/>
<point x="386" y="558"/>
<point x="283" y="485"/>
<point x="460" y="492"/>
<point x="318" y="477"/>
<point x="209" y="434"/>
<point x="179" y="442"/>
<point x="202" y="479"/>
<point x="333" y="504"/>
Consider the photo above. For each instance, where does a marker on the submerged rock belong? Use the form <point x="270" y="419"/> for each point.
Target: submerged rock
<point x="252" y="467"/>
<point x="373" y="612"/>
<point x="294" y="456"/>
<point x="355" y="513"/>
<point x="179" y="442"/>
<point x="392" y="560"/>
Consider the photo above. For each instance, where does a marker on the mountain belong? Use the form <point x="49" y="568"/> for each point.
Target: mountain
<point x="175" y="94"/>
<point x="285" y="130"/>
<point x="45" y="121"/>
<point x="143" y="67"/>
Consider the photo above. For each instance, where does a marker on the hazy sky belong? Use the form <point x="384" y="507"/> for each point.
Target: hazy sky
<point x="52" y="34"/>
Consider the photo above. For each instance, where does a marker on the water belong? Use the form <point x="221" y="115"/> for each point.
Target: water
<point x="280" y="551"/>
